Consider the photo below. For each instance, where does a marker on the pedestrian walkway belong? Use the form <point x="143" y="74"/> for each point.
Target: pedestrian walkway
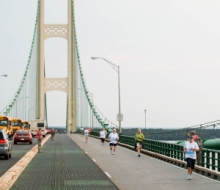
<point x="130" y="172"/>
<point x="62" y="165"/>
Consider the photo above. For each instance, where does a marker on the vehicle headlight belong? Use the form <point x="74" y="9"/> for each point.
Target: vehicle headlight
<point x="6" y="147"/>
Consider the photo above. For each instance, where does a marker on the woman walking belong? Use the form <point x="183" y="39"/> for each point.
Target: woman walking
<point x="139" y="136"/>
<point x="190" y="149"/>
<point x="86" y="134"/>
<point x="102" y="135"/>
<point x="113" y="139"/>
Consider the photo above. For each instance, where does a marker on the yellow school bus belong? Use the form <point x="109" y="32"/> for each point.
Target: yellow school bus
<point x="26" y="125"/>
<point x="16" y="124"/>
<point x="5" y="123"/>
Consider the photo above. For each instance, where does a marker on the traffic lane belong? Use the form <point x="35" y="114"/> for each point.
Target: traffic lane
<point x="18" y="151"/>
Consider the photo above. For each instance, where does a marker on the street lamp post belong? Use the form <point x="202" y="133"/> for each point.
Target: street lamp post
<point x="145" y="119"/>
<point x="30" y="110"/>
<point x="3" y="76"/>
<point x="117" y="69"/>
<point x="91" y="115"/>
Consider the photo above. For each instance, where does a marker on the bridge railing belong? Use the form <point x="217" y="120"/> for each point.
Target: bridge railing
<point x="163" y="148"/>
<point x="210" y="158"/>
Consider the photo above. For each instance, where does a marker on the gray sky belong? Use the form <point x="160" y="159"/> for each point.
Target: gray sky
<point x="168" y="52"/>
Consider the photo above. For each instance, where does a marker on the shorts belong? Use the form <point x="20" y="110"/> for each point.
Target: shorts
<point x="86" y="135"/>
<point x="139" y="143"/>
<point x="190" y="163"/>
<point x="112" y="144"/>
<point x="103" y="140"/>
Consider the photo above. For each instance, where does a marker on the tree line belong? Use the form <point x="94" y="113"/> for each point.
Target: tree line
<point x="173" y="134"/>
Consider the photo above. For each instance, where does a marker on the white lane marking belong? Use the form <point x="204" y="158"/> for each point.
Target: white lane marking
<point x="94" y="160"/>
<point x="106" y="173"/>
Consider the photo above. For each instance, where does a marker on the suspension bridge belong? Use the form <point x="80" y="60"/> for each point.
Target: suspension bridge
<point x="69" y="162"/>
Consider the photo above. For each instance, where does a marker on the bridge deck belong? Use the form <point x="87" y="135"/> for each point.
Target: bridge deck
<point x="130" y="172"/>
<point x="62" y="165"/>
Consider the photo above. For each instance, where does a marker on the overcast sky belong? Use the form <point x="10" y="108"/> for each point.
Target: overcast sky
<point x="168" y="52"/>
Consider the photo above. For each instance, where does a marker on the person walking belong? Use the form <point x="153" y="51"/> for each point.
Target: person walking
<point x="52" y="134"/>
<point x="86" y="134"/>
<point x="139" y="137"/>
<point x="39" y="137"/>
<point x="81" y="130"/>
<point x="190" y="149"/>
<point x="113" y="140"/>
<point x="102" y="135"/>
<point x="198" y="140"/>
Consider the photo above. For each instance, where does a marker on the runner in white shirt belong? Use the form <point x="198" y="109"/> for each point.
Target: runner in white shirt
<point x="190" y="149"/>
<point x="102" y="135"/>
<point x="86" y="134"/>
<point x="113" y="140"/>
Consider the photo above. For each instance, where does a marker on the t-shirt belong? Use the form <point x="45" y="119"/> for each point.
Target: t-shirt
<point x="113" y="138"/>
<point x="102" y="134"/>
<point x="139" y="136"/>
<point x="190" y="153"/>
<point x="86" y="132"/>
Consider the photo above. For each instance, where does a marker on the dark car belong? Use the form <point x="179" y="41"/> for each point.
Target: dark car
<point x="5" y="145"/>
<point x="22" y="136"/>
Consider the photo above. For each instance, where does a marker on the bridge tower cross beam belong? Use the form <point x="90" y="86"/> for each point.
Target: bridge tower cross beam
<point x="68" y="84"/>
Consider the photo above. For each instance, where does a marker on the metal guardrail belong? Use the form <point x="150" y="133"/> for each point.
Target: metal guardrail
<point x="210" y="158"/>
<point x="173" y="153"/>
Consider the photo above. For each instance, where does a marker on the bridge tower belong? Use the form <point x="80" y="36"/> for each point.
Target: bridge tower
<point x="68" y="84"/>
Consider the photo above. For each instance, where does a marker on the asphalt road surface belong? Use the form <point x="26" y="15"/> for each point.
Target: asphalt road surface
<point x="18" y="151"/>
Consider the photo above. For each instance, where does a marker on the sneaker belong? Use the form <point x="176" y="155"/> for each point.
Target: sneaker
<point x="139" y="155"/>
<point x="188" y="177"/>
<point x="113" y="153"/>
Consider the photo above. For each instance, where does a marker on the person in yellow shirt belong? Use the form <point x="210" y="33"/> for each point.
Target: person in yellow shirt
<point x="139" y="137"/>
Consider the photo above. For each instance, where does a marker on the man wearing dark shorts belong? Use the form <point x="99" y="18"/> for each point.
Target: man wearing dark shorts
<point x="190" y="149"/>
<point x="102" y="134"/>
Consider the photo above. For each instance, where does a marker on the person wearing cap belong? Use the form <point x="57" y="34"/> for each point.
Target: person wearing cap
<point x="190" y="149"/>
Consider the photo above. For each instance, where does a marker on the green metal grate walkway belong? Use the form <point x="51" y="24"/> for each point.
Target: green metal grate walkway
<point x="62" y="166"/>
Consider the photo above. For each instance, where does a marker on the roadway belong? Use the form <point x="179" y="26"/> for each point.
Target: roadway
<point x="62" y="165"/>
<point x="128" y="172"/>
<point x="18" y="151"/>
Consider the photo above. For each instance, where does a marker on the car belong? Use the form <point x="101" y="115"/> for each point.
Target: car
<point x="48" y="131"/>
<point x="22" y="136"/>
<point x="5" y="144"/>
